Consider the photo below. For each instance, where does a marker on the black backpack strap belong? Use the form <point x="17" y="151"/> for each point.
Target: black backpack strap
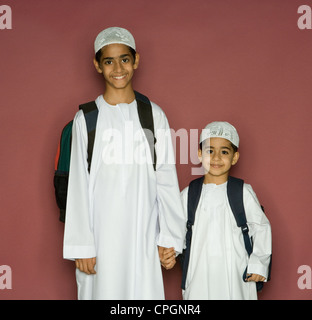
<point x="194" y="193"/>
<point x="90" y="112"/>
<point x="145" y="113"/>
<point x="235" y="196"/>
<point x="147" y="122"/>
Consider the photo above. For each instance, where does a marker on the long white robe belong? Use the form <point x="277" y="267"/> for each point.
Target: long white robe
<point x="123" y="210"/>
<point x="218" y="256"/>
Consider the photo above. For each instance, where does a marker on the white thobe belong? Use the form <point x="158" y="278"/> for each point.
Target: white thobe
<point x="123" y="209"/>
<point x="218" y="256"/>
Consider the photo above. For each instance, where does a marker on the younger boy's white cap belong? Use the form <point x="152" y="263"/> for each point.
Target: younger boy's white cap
<point x="220" y="129"/>
<point x="114" y="35"/>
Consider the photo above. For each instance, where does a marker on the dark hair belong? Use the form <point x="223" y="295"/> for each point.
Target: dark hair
<point x="235" y="149"/>
<point x="98" y="55"/>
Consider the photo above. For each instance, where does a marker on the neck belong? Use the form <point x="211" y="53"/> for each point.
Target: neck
<point x="114" y="96"/>
<point x="215" y="179"/>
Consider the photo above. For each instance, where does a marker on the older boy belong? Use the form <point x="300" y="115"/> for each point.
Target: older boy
<point x="124" y="212"/>
<point x="218" y="256"/>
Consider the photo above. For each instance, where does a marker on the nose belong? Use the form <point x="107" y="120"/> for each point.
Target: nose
<point x="118" y="66"/>
<point x="216" y="156"/>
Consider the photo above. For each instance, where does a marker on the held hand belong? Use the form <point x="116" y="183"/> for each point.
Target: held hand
<point x="254" y="277"/>
<point x="86" y="265"/>
<point x="167" y="257"/>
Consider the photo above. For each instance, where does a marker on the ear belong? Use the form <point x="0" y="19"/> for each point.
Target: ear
<point x="235" y="158"/>
<point x="200" y="158"/>
<point x="137" y="60"/>
<point x="97" y="66"/>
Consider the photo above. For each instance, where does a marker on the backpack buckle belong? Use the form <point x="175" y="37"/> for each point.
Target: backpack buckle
<point x="245" y="228"/>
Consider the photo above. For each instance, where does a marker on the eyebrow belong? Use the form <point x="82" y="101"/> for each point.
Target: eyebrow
<point x="121" y="57"/>
<point x="211" y="147"/>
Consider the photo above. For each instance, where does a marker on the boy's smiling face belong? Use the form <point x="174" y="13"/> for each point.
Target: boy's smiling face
<point x="217" y="156"/>
<point x="117" y="65"/>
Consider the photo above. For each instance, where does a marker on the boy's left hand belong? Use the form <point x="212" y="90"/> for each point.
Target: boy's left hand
<point x="254" y="277"/>
<point x="167" y="257"/>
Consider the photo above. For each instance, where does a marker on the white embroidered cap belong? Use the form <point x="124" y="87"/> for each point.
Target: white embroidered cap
<point x="220" y="129"/>
<point x="114" y="35"/>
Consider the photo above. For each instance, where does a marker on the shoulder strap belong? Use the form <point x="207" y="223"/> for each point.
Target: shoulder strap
<point x="235" y="195"/>
<point x="147" y="122"/>
<point x="194" y="193"/>
<point x="90" y="112"/>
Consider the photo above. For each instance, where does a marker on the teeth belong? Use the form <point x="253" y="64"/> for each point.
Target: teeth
<point x="119" y="78"/>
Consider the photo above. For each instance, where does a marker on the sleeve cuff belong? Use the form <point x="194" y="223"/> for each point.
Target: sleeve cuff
<point x="168" y="242"/>
<point x="79" y="252"/>
<point x="258" y="269"/>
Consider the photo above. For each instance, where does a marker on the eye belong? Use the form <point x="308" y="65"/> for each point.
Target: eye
<point x="108" y="62"/>
<point x="225" y="152"/>
<point x="209" y="151"/>
<point x="125" y="60"/>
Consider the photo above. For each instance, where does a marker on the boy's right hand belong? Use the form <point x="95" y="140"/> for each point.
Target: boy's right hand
<point x="86" y="265"/>
<point x="254" y="277"/>
<point x="167" y="257"/>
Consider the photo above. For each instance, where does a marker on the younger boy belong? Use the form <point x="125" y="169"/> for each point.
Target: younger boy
<point x="218" y="257"/>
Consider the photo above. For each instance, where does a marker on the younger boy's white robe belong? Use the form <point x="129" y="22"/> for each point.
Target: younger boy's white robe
<point x="218" y="256"/>
<point x="123" y="210"/>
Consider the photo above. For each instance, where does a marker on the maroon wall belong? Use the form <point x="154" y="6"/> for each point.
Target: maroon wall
<point x="242" y="61"/>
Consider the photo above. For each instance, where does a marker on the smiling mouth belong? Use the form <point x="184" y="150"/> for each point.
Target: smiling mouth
<point x="216" y="166"/>
<point x="119" y="77"/>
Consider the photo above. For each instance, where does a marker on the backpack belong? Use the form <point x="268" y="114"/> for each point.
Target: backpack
<point x="90" y="111"/>
<point x="235" y="197"/>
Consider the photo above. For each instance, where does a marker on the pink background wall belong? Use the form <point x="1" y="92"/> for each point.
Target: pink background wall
<point x="243" y="61"/>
